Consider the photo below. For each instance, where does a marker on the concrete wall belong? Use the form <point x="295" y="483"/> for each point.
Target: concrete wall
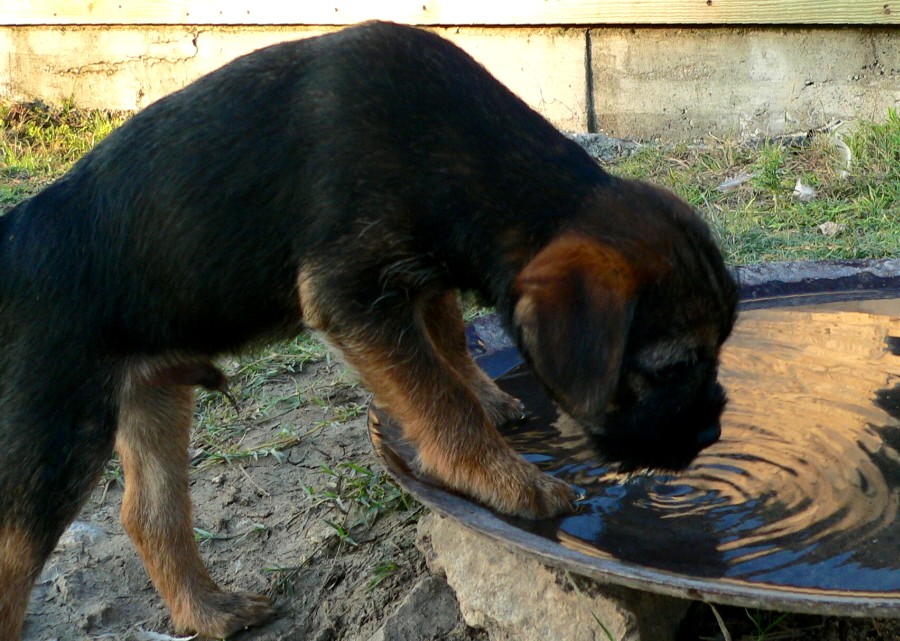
<point x="674" y="84"/>
<point x="683" y="83"/>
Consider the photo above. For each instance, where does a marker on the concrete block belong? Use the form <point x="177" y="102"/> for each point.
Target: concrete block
<point x="671" y="84"/>
<point x="545" y="67"/>
<point x="515" y="598"/>
<point x="127" y="68"/>
<point x="684" y="83"/>
<point x="121" y="68"/>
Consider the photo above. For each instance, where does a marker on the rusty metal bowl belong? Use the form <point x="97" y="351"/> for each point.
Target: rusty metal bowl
<point x="794" y="509"/>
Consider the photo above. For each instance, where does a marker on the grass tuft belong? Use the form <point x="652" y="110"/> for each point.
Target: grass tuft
<point x="360" y="493"/>
<point x="855" y="176"/>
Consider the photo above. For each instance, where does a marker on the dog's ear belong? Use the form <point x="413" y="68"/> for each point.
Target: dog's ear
<point x="574" y="307"/>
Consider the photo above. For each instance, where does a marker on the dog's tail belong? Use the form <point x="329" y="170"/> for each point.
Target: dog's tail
<point x="192" y="372"/>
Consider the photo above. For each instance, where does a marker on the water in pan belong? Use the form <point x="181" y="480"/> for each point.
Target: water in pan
<point x="801" y="491"/>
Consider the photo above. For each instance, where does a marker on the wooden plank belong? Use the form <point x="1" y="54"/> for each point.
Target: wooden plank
<point x="448" y="12"/>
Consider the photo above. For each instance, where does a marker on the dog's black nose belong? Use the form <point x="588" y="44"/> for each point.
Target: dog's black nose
<point x="709" y="436"/>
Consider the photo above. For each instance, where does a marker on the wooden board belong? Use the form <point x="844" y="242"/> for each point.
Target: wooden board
<point x="448" y="12"/>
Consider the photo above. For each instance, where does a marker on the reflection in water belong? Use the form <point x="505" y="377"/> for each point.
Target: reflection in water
<point x="802" y="489"/>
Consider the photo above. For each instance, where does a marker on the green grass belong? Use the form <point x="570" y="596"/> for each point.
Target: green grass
<point x="766" y="624"/>
<point x="360" y="493"/>
<point x="266" y="389"/>
<point x="38" y="141"/>
<point x="762" y="220"/>
<point x="383" y="570"/>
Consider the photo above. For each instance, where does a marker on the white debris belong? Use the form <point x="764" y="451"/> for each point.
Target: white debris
<point x="831" y="229"/>
<point x="804" y="192"/>
<point x="146" y="635"/>
<point x="845" y="153"/>
<point x="731" y="184"/>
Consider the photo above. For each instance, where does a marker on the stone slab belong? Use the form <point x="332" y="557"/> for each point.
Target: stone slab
<point x="515" y="598"/>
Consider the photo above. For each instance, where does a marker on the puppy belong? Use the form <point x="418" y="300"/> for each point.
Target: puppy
<point x="351" y="184"/>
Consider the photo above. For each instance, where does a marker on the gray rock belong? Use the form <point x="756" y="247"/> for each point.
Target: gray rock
<point x="602" y="147"/>
<point x="874" y="273"/>
<point x="428" y="612"/>
<point x="81" y="534"/>
<point x="515" y="598"/>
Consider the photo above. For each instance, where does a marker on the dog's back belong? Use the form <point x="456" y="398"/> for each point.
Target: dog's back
<point x="197" y="200"/>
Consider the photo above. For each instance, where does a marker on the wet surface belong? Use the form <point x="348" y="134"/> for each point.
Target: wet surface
<point x="802" y="488"/>
<point x="800" y="494"/>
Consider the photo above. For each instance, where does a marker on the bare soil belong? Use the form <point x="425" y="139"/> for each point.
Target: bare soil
<point x="291" y="502"/>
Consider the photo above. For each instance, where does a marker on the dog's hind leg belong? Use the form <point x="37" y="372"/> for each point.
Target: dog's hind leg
<point x="20" y="561"/>
<point x="54" y="440"/>
<point x="152" y="442"/>
<point x="444" y="323"/>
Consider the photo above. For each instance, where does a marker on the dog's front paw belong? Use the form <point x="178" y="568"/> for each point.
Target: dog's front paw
<point x="501" y="407"/>
<point x="510" y="485"/>
<point x="481" y="465"/>
<point x="218" y="615"/>
<point x="523" y="490"/>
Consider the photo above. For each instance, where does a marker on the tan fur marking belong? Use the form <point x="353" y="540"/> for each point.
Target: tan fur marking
<point x="19" y="564"/>
<point x="152" y="442"/>
<point x="570" y="291"/>
<point x="571" y="256"/>
<point x="308" y="310"/>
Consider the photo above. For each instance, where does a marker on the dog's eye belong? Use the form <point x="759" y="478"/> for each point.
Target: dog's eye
<point x="665" y="355"/>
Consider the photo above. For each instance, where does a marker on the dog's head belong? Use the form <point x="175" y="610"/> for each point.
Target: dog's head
<point x="622" y="316"/>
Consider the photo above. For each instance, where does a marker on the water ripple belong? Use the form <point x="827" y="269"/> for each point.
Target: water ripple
<point x="802" y="489"/>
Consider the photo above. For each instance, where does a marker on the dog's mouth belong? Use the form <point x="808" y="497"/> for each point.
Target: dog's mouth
<point x="660" y="432"/>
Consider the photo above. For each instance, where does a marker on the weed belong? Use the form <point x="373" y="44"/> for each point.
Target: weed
<point x="765" y="623"/>
<point x="284" y="579"/>
<point x="355" y="489"/>
<point x="342" y="532"/>
<point x="204" y="536"/>
<point x="768" y="171"/>
<point x="383" y="570"/>
<point x="113" y="473"/>
<point x="573" y="583"/>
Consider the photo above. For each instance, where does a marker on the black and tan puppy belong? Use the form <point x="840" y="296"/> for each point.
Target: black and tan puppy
<point x="350" y="183"/>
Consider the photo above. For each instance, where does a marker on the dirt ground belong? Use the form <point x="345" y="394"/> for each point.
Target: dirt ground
<point x="289" y="501"/>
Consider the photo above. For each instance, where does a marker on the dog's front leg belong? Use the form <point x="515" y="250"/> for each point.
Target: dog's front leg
<point x="152" y="442"/>
<point x="431" y="393"/>
<point x="444" y="323"/>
